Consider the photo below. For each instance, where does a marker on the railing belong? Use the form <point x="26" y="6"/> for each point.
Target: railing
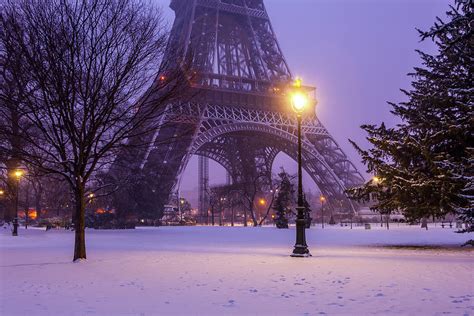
<point x="214" y="4"/>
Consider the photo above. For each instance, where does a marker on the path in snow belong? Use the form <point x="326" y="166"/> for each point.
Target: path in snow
<point x="237" y="271"/>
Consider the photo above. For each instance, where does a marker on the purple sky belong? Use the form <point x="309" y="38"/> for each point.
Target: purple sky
<point x="356" y="52"/>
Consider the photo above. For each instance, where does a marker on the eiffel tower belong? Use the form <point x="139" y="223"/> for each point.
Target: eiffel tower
<point x="241" y="118"/>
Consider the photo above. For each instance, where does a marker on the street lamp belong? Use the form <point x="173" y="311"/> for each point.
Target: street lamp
<point x="17" y="174"/>
<point x="322" y="199"/>
<point x="299" y="102"/>
<point x="376" y="180"/>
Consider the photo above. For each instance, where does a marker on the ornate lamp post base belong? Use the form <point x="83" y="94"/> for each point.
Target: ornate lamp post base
<point x="301" y="248"/>
<point x="301" y="251"/>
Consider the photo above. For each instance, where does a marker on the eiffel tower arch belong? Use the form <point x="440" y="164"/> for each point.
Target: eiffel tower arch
<point x="240" y="109"/>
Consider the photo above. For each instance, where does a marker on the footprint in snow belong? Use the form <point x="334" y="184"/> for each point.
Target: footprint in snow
<point x="230" y="303"/>
<point x="379" y="295"/>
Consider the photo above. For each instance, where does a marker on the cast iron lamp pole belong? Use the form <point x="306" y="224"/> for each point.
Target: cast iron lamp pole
<point x="322" y="199"/>
<point x="17" y="174"/>
<point x="299" y="102"/>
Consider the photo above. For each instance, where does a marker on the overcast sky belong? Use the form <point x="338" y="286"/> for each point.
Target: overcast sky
<point x="356" y="52"/>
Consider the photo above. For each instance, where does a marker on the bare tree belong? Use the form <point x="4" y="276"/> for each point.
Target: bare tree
<point x="83" y="66"/>
<point x="11" y="120"/>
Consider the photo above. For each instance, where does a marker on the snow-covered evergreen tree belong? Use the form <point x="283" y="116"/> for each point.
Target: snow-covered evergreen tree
<point x="425" y="164"/>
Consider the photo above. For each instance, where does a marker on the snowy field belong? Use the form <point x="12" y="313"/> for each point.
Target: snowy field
<point x="238" y="271"/>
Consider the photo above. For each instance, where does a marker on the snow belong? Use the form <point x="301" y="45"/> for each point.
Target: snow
<point x="237" y="271"/>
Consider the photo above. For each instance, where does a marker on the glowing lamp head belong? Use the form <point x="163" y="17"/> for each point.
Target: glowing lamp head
<point x="299" y="101"/>
<point x="262" y="201"/>
<point x="376" y="179"/>
<point x="18" y="174"/>
<point x="322" y="198"/>
<point x="2" y="192"/>
<point x="91" y="195"/>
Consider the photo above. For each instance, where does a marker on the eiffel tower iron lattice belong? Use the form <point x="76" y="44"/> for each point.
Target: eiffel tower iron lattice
<point x="241" y="109"/>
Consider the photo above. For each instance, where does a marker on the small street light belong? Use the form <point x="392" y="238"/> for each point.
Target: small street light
<point x="17" y="174"/>
<point x="322" y="199"/>
<point x="377" y="180"/>
<point x="299" y="102"/>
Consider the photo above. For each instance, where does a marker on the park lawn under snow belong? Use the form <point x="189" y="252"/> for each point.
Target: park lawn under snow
<point x="237" y="271"/>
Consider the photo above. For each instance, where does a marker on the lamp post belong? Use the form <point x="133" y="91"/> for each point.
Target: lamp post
<point x="376" y="181"/>
<point x="2" y="193"/>
<point x="18" y="174"/>
<point x="299" y="101"/>
<point x="322" y="199"/>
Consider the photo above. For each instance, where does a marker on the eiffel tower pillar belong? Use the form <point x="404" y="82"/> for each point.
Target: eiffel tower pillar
<point x="203" y="188"/>
<point x="239" y="81"/>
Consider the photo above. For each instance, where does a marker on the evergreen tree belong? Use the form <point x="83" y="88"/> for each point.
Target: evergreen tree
<point x="283" y="201"/>
<point x="425" y="164"/>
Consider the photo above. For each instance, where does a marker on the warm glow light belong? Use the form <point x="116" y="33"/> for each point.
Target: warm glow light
<point x="322" y="198"/>
<point x="91" y="195"/>
<point x="100" y="211"/>
<point x="299" y="101"/>
<point x="2" y="192"/>
<point x="18" y="173"/>
<point x="262" y="201"/>
<point x="299" y="97"/>
<point x="32" y="214"/>
<point x="376" y="179"/>
<point x="297" y="83"/>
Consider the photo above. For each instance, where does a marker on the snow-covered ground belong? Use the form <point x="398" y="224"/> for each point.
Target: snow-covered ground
<point x="237" y="271"/>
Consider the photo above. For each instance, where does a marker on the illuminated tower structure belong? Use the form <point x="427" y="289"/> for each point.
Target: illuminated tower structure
<point x="240" y="117"/>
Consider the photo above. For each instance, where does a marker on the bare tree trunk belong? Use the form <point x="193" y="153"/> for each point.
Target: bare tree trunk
<point x="79" y="222"/>
<point x="252" y="213"/>
<point x="38" y="194"/>
<point x="232" y="217"/>
<point x="212" y="215"/>
<point x="245" y="217"/>
<point x="268" y="210"/>
<point x="10" y="211"/>
<point x="27" y="204"/>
